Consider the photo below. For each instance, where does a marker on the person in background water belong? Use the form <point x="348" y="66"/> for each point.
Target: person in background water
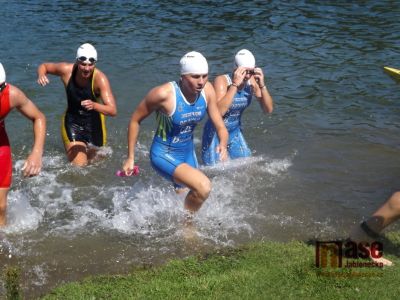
<point x="234" y="93"/>
<point x="12" y="97"/>
<point x="179" y="107"/>
<point x="89" y="99"/>
<point x="368" y="231"/>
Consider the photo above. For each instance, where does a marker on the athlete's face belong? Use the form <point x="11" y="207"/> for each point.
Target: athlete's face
<point x="194" y="82"/>
<point x="86" y="68"/>
<point x="248" y="73"/>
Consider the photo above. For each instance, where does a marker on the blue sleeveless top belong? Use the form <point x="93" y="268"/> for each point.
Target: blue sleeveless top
<point x="237" y="146"/>
<point x="176" y="130"/>
<point x="240" y="102"/>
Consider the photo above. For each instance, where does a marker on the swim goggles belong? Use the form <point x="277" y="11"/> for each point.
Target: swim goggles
<point x="250" y="72"/>
<point x="90" y="60"/>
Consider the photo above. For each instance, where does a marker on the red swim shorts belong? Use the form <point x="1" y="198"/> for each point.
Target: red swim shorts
<point x="5" y="166"/>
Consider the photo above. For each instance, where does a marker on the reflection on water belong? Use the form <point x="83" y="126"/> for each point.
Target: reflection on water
<point x="325" y="158"/>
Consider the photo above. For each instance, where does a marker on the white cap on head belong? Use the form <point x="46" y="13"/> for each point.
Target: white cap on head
<point x="244" y="58"/>
<point x="193" y="63"/>
<point x="86" y="50"/>
<point x="2" y="74"/>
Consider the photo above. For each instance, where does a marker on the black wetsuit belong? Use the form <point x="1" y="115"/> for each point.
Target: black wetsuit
<point x="79" y="124"/>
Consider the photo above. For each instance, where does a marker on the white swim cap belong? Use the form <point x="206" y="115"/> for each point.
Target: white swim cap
<point x="244" y="58"/>
<point x="86" y="50"/>
<point x="193" y="63"/>
<point x="2" y="74"/>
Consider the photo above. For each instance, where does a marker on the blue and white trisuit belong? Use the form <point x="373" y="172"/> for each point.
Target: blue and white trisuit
<point x="237" y="146"/>
<point x="173" y="141"/>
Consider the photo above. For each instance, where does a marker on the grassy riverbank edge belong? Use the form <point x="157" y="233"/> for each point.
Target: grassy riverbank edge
<point x="262" y="270"/>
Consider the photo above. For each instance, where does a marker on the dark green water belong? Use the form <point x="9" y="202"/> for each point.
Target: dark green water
<point x="325" y="158"/>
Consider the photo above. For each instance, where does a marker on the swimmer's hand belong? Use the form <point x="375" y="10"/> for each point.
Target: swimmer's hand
<point x="129" y="166"/>
<point x="43" y="80"/>
<point x="239" y="75"/>
<point x="259" y="77"/>
<point x="223" y="152"/>
<point x="32" y="165"/>
<point x="121" y="173"/>
<point x="87" y="104"/>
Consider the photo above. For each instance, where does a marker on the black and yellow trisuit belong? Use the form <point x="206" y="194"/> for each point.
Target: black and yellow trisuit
<point x="79" y="124"/>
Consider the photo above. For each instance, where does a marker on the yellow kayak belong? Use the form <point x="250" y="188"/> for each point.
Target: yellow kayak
<point x="393" y="72"/>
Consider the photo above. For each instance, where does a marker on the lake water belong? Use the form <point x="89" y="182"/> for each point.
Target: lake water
<point x="326" y="157"/>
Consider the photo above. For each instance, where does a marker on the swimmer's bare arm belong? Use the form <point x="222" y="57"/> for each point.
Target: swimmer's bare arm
<point x="261" y="91"/>
<point x="226" y="94"/>
<point x="216" y="118"/>
<point x="159" y="98"/>
<point x="103" y="88"/>
<point x="63" y="70"/>
<point x="18" y="99"/>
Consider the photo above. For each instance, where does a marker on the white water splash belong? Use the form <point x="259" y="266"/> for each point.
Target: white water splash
<point x="145" y="206"/>
<point x="21" y="215"/>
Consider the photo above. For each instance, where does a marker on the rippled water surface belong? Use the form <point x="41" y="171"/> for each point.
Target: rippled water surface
<point x="325" y="158"/>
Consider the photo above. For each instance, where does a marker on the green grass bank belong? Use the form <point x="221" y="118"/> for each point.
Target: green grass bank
<point x="265" y="270"/>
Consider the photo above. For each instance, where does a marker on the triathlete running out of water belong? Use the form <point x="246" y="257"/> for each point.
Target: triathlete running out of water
<point x="12" y="97"/>
<point x="234" y="93"/>
<point x="89" y="97"/>
<point x="179" y="107"/>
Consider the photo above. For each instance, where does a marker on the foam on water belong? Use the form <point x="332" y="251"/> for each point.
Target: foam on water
<point x="52" y="206"/>
<point x="22" y="216"/>
<point x="231" y="208"/>
<point x="148" y="208"/>
<point x="145" y="210"/>
<point x="39" y="275"/>
<point x="277" y="166"/>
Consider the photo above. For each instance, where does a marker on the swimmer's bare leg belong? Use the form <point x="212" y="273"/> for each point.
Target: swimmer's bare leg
<point x="95" y="154"/>
<point x="3" y="206"/>
<point x="388" y="213"/>
<point x="198" y="188"/>
<point x="198" y="184"/>
<point x="182" y="190"/>
<point x="77" y="153"/>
